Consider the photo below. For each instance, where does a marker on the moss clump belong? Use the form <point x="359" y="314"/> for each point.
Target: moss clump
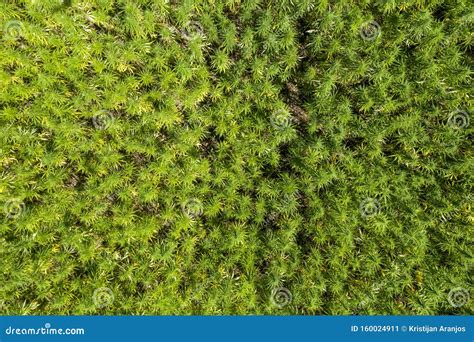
<point x="236" y="157"/>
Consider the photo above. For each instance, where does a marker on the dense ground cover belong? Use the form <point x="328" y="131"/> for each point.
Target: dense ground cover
<point x="236" y="157"/>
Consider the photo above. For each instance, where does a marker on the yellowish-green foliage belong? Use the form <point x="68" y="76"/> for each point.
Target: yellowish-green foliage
<point x="236" y="157"/>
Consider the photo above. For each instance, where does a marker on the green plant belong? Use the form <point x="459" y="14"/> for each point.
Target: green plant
<point x="236" y="157"/>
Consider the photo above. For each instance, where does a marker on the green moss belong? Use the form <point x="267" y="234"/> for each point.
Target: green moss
<point x="236" y="157"/>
